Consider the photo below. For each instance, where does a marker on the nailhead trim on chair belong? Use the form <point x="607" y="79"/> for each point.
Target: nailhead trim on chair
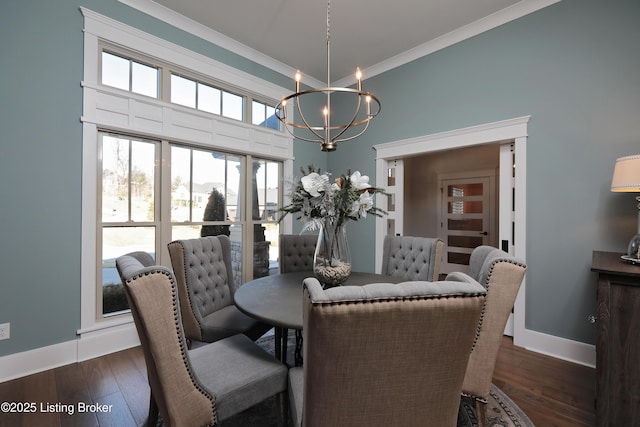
<point x="484" y="306"/>
<point x="390" y="299"/>
<point x="183" y="352"/>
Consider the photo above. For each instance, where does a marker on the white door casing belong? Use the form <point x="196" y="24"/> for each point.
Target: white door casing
<point x="512" y="132"/>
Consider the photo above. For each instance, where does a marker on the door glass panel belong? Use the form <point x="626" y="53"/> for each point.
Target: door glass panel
<point x="391" y="177"/>
<point x="391" y="182"/>
<point x="465" y="241"/>
<point x="460" y="207"/>
<point x="465" y="190"/>
<point x="465" y="224"/>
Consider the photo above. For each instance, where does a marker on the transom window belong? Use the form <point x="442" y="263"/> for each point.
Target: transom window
<point x="125" y="72"/>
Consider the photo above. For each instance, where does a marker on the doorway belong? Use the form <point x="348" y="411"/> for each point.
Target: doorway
<point x="511" y="137"/>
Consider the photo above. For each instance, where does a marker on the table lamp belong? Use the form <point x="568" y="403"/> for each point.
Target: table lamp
<point x="626" y="179"/>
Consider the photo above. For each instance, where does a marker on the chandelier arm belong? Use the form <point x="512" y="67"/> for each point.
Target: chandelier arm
<point x="298" y="136"/>
<point x="364" y="129"/>
<point x="350" y="124"/>
<point x="304" y="120"/>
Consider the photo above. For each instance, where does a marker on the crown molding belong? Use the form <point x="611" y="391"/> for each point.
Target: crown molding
<point x="188" y="25"/>
<point x="487" y="23"/>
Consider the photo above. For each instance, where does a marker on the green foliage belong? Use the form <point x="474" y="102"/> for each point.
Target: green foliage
<point x="113" y="298"/>
<point x="216" y="210"/>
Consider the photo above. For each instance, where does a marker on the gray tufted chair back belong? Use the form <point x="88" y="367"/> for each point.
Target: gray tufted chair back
<point x="296" y="252"/>
<point x="204" y="277"/>
<point x="411" y="375"/>
<point x="196" y="387"/>
<point x="412" y="258"/>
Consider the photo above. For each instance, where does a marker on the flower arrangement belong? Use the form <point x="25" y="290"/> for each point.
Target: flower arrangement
<point x="317" y="199"/>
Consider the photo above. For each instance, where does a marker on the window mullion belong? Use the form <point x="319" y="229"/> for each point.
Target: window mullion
<point x="129" y="184"/>
<point x="164" y="204"/>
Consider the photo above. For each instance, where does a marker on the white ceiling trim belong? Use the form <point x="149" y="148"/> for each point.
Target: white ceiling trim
<point x="487" y="23"/>
<point x="501" y="17"/>
<point x="188" y="25"/>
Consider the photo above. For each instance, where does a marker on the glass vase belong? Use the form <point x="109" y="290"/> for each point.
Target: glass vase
<point x="332" y="260"/>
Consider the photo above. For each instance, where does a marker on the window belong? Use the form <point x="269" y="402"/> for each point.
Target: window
<point x="129" y="75"/>
<point x="127" y="202"/>
<point x="194" y="94"/>
<point x="264" y="115"/>
<point x="123" y="72"/>
<point x="206" y="197"/>
<point x="128" y="222"/>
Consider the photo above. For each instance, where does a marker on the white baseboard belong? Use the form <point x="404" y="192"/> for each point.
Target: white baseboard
<point x="90" y="345"/>
<point x="560" y="348"/>
<point x="105" y="341"/>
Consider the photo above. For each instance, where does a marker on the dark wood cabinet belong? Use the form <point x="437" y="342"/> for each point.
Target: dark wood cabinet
<point x="618" y="341"/>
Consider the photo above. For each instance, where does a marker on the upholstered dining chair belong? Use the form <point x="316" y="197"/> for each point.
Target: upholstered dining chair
<point x="501" y="275"/>
<point x="296" y="252"/>
<point x="202" y="268"/>
<point x="197" y="387"/>
<point x="412" y="258"/>
<point x="362" y="369"/>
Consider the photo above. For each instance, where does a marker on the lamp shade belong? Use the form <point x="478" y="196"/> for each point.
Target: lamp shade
<point x="626" y="175"/>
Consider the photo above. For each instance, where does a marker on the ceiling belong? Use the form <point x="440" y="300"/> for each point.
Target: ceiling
<point x="363" y="33"/>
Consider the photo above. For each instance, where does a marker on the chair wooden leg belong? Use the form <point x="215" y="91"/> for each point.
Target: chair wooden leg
<point x="152" y="420"/>
<point x="283" y="400"/>
<point x="481" y="413"/>
<point x="281" y="335"/>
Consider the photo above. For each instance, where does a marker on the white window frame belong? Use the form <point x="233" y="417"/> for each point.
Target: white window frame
<point x="107" y="108"/>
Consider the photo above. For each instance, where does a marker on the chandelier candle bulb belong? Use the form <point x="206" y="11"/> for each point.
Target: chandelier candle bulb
<point x="298" y="77"/>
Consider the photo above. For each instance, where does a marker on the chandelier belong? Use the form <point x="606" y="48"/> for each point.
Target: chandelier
<point x="321" y="129"/>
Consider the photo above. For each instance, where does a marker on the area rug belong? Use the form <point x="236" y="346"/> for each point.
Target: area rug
<point x="501" y="410"/>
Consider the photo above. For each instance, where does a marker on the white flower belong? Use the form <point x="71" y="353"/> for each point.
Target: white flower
<point x="359" y="182"/>
<point x="365" y="203"/>
<point x="314" y="183"/>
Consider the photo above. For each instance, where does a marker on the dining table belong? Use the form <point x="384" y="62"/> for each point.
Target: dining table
<point x="277" y="300"/>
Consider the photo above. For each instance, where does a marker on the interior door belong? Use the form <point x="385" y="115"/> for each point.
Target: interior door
<point x="466" y="218"/>
<point x="392" y="173"/>
<point x="395" y="198"/>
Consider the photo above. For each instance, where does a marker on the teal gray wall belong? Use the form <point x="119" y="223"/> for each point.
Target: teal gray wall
<point x="41" y="158"/>
<point x="572" y="66"/>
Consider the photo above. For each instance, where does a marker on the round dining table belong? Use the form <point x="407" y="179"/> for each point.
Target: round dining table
<point x="277" y="300"/>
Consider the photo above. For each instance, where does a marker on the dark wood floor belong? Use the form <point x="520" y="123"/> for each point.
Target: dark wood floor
<point x="551" y="392"/>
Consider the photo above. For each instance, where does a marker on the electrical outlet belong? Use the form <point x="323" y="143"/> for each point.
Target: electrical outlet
<point x="5" y="331"/>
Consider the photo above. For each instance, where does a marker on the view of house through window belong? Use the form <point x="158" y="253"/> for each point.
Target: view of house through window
<point x="207" y="194"/>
